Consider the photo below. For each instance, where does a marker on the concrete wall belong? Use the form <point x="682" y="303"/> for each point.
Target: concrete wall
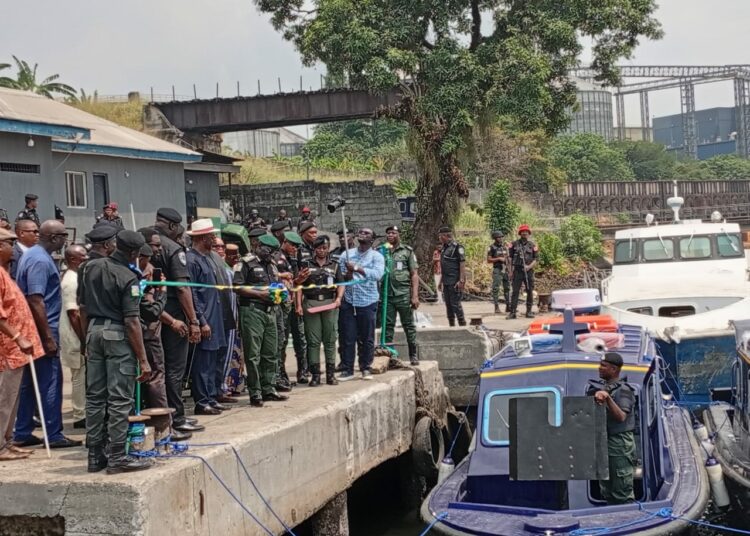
<point x="367" y="204"/>
<point x="148" y="184"/>
<point x="14" y="186"/>
<point x="206" y="186"/>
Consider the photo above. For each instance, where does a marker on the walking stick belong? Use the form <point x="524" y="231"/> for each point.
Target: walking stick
<point x="39" y="405"/>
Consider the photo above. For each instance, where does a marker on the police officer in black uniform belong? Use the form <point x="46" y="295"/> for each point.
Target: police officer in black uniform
<point x="283" y="217"/>
<point x="254" y="221"/>
<point x="309" y="232"/>
<point x="110" y="298"/>
<point x="453" y="267"/>
<point x="497" y="256"/>
<point x="29" y="211"/>
<point x="173" y="264"/>
<point x="523" y="253"/>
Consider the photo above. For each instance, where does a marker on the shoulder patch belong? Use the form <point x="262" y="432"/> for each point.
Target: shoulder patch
<point x="460" y="250"/>
<point x="183" y="259"/>
<point x="135" y="291"/>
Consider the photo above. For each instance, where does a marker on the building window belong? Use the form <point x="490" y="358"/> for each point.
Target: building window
<point x="75" y="189"/>
<point x="12" y="167"/>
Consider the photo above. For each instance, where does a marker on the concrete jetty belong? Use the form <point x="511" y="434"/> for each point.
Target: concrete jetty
<point x="302" y="454"/>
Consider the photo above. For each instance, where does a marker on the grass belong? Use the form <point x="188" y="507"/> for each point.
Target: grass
<point x="266" y="171"/>
<point x="128" y="114"/>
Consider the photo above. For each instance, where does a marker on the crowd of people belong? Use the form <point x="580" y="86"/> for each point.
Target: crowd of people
<point x="171" y="307"/>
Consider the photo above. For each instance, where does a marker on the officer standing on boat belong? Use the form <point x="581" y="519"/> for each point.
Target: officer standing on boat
<point x="618" y="398"/>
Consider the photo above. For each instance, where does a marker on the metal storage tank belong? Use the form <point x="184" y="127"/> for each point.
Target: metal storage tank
<point x="593" y="112"/>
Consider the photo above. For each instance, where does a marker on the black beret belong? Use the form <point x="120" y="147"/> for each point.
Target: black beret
<point x="146" y="251"/>
<point x="279" y="226"/>
<point x="613" y="358"/>
<point x="33" y="197"/>
<point x="256" y="232"/>
<point x="306" y="226"/>
<point x="130" y="240"/>
<point x="497" y="234"/>
<point x="102" y="233"/>
<point x="320" y="241"/>
<point x="392" y="228"/>
<point x="169" y="214"/>
<point x="445" y="229"/>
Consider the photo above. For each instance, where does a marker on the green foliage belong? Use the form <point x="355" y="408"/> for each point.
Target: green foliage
<point x="581" y="239"/>
<point x="404" y="187"/>
<point x="551" y="251"/>
<point x="470" y="220"/>
<point x="649" y="161"/>
<point x="128" y="114"/>
<point x="26" y="80"/>
<point x="727" y="167"/>
<point x="502" y="212"/>
<point x="587" y="157"/>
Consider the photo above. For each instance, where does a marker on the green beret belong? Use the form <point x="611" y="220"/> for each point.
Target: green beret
<point x="269" y="240"/>
<point x="293" y="238"/>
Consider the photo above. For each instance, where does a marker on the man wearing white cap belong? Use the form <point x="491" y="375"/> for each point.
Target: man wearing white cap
<point x="210" y="314"/>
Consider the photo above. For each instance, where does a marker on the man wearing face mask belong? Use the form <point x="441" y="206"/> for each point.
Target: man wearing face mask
<point x="360" y="304"/>
<point x="258" y="319"/>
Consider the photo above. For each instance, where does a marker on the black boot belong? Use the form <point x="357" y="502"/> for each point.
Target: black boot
<point x="315" y="380"/>
<point x="413" y="359"/>
<point x="507" y="302"/>
<point x="97" y="459"/>
<point x="119" y="462"/>
<point x="497" y="308"/>
<point x="302" y="377"/>
<point x="511" y="316"/>
<point x="331" y="375"/>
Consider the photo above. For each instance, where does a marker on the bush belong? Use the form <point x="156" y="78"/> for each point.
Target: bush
<point x="581" y="239"/>
<point x="551" y="253"/>
<point x="501" y="211"/>
<point x="470" y="220"/>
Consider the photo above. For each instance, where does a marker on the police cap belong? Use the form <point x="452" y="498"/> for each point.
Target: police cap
<point x="169" y="214"/>
<point x="279" y="226"/>
<point x="613" y="358"/>
<point x="293" y="238"/>
<point x="497" y="234"/>
<point x="270" y="241"/>
<point x="306" y="226"/>
<point x="31" y="197"/>
<point x="130" y="240"/>
<point x="256" y="232"/>
<point x="392" y="228"/>
<point x="102" y="233"/>
<point x="445" y="230"/>
<point x="321" y="240"/>
<point x="146" y="251"/>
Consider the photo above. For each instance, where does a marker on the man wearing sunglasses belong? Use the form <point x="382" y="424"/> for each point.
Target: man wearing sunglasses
<point x="39" y="280"/>
<point x="28" y="235"/>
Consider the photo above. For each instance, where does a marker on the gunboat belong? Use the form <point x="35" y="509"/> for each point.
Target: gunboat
<point x="481" y="497"/>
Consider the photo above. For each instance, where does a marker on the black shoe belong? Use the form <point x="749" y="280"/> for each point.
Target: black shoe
<point x="331" y="378"/>
<point x="339" y="368"/>
<point x="176" y="435"/>
<point x="315" y="380"/>
<point x="275" y="397"/>
<point x="302" y="378"/>
<point x="97" y="459"/>
<point x="256" y="401"/>
<point x="80" y="424"/>
<point x="414" y="361"/>
<point x="207" y="410"/>
<point x="220" y="406"/>
<point x="128" y="464"/>
<point x="283" y="388"/>
<point x="65" y="443"/>
<point x="31" y="441"/>
<point x="462" y="323"/>
<point x="187" y="427"/>
<point x="497" y="308"/>
<point x="530" y="315"/>
<point x="511" y="316"/>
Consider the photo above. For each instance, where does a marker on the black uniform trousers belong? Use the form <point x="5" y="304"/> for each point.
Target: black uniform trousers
<point x="175" y="362"/>
<point x="520" y="277"/>
<point x="452" y="298"/>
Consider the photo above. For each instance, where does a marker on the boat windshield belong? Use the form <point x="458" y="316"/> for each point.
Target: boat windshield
<point x="673" y="248"/>
<point x="496" y="411"/>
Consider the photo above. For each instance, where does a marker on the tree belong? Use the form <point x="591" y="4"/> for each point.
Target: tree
<point x="587" y="157"/>
<point x="649" y="161"/>
<point x="4" y="80"/>
<point x="459" y="62"/>
<point x="26" y="80"/>
<point x="502" y="212"/>
<point x="581" y="238"/>
<point x="727" y="167"/>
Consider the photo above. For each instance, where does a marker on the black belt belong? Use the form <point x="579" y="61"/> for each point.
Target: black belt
<point x="320" y="296"/>
<point x="101" y="321"/>
<point x="256" y="305"/>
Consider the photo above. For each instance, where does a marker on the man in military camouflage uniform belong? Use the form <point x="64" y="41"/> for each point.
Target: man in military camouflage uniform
<point x="402" y="291"/>
<point x="523" y="253"/>
<point x="497" y="256"/>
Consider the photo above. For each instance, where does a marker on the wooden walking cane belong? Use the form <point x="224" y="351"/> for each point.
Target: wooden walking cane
<point x="39" y="405"/>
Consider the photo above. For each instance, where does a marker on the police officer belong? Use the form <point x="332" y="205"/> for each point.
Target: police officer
<point x="497" y="256"/>
<point x="294" y="323"/>
<point x="403" y="291"/>
<point x="180" y="313"/>
<point x="523" y="253"/>
<point x="306" y="215"/>
<point x="110" y="311"/>
<point x="278" y="228"/>
<point x="618" y="398"/>
<point x="102" y="240"/>
<point x="254" y="221"/>
<point x="29" y="211"/>
<point x="321" y="326"/>
<point x="284" y="218"/>
<point x="453" y="268"/>
<point x="309" y="232"/>
<point x="258" y="320"/>
<point x="283" y="312"/>
<point x="338" y="251"/>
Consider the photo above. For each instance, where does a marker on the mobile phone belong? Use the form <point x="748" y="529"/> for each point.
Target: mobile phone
<point x="157" y="273"/>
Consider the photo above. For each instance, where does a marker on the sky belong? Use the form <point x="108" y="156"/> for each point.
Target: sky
<point x="116" y="47"/>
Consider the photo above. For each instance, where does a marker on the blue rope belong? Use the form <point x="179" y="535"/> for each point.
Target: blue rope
<point x="438" y="519"/>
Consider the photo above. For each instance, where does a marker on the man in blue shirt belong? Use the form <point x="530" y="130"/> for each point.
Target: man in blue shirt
<point x="360" y="305"/>
<point x="210" y="313"/>
<point x="39" y="280"/>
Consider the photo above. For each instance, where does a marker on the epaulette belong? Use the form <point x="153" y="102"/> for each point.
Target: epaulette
<point x="250" y="257"/>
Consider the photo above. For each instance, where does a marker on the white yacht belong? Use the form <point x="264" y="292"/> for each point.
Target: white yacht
<point x="683" y="281"/>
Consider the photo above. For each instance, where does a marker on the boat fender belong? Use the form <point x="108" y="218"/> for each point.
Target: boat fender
<point x="716" y="479"/>
<point x="700" y="431"/>
<point x="427" y="448"/>
<point x="446" y="468"/>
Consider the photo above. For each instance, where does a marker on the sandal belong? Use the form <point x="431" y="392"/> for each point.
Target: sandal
<point x="19" y="450"/>
<point x="10" y="456"/>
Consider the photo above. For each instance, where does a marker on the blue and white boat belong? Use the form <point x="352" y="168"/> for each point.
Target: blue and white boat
<point x="480" y="497"/>
<point x="684" y="282"/>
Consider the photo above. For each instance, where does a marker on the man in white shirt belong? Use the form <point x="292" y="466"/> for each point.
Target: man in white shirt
<point x="72" y="334"/>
